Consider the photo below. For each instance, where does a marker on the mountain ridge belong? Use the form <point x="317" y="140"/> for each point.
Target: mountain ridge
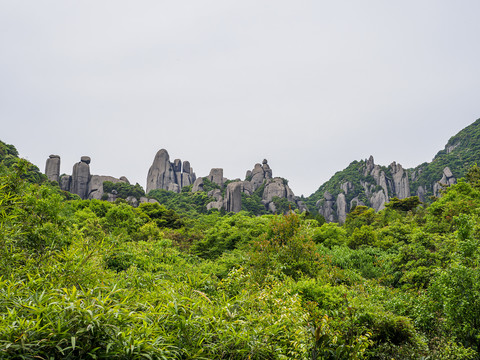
<point x="365" y="183"/>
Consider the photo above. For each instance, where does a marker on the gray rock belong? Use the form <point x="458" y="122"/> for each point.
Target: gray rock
<point x="177" y="165"/>
<point x="421" y="193"/>
<point x="216" y="176"/>
<point x="216" y="194"/>
<point x="153" y="201"/>
<point x="248" y="174"/>
<point x="327" y="211"/>
<point x="341" y="208"/>
<point x="132" y="200"/>
<point x="447" y="172"/>
<point x="290" y="195"/>
<point x="95" y="185"/>
<point x="268" y="172"/>
<point x="80" y="178"/>
<point x="378" y="200"/>
<point x="347" y="187"/>
<point x="143" y="199"/>
<point x="327" y="196"/>
<point x="124" y="179"/>
<point x="174" y="187"/>
<point x="258" y="176"/>
<point x="233" y="197"/>
<point x="186" y="180"/>
<point x="52" y="168"/>
<point x="356" y="202"/>
<point x="369" y="166"/>
<point x="274" y="187"/>
<point x="85" y="159"/>
<point x="446" y="180"/>
<point x="401" y="183"/>
<point x="65" y="181"/>
<point x="247" y="188"/>
<point x="215" y="205"/>
<point x="198" y="185"/>
<point x="161" y="173"/>
<point x="186" y="167"/>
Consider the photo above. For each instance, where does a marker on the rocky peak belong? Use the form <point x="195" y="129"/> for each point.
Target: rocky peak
<point x="369" y="166"/>
<point x="164" y="174"/>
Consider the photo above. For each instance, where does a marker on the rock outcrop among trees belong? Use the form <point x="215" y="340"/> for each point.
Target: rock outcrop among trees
<point x="371" y="185"/>
<point x="82" y="182"/>
<point x="166" y="175"/>
<point x="52" y="168"/>
<point x="274" y="194"/>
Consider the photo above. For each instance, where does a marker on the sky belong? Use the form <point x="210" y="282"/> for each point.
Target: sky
<point x="309" y="85"/>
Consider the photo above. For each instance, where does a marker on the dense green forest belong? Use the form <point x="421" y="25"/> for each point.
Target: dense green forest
<point x="90" y="279"/>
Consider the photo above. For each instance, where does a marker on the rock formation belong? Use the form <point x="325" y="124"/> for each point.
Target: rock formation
<point x="260" y="175"/>
<point x="377" y="193"/>
<point x="81" y="182"/>
<point x="326" y="207"/>
<point x="52" y="168"/>
<point x="81" y="177"/>
<point x="446" y="180"/>
<point x="233" y="197"/>
<point x="341" y="208"/>
<point x="401" y="185"/>
<point x="216" y="176"/>
<point x="95" y="185"/>
<point x="198" y="185"/>
<point x="165" y="175"/>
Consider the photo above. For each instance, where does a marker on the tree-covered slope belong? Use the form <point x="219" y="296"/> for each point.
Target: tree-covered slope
<point x="460" y="153"/>
<point x="365" y="183"/>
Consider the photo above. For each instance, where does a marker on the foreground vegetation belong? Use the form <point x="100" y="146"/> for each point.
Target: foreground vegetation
<point x="92" y="279"/>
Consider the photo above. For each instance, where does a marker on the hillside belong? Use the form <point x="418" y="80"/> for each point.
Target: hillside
<point x="365" y="183"/>
<point x="94" y="279"/>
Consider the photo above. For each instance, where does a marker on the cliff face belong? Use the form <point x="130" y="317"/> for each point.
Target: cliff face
<point x="365" y="183"/>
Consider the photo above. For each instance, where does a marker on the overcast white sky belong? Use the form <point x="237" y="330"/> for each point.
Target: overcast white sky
<point x="309" y="85"/>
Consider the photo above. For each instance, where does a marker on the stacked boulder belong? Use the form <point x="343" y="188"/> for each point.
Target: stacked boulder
<point x="166" y="175"/>
<point x="81" y="182"/>
<point x="52" y="168"/>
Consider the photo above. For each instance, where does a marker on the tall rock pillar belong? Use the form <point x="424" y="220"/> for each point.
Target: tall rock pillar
<point x="52" y="168"/>
<point x="81" y="177"/>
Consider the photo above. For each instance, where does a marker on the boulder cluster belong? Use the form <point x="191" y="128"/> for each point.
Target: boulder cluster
<point x="166" y="175"/>
<point x="81" y="182"/>
<point x="261" y="175"/>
